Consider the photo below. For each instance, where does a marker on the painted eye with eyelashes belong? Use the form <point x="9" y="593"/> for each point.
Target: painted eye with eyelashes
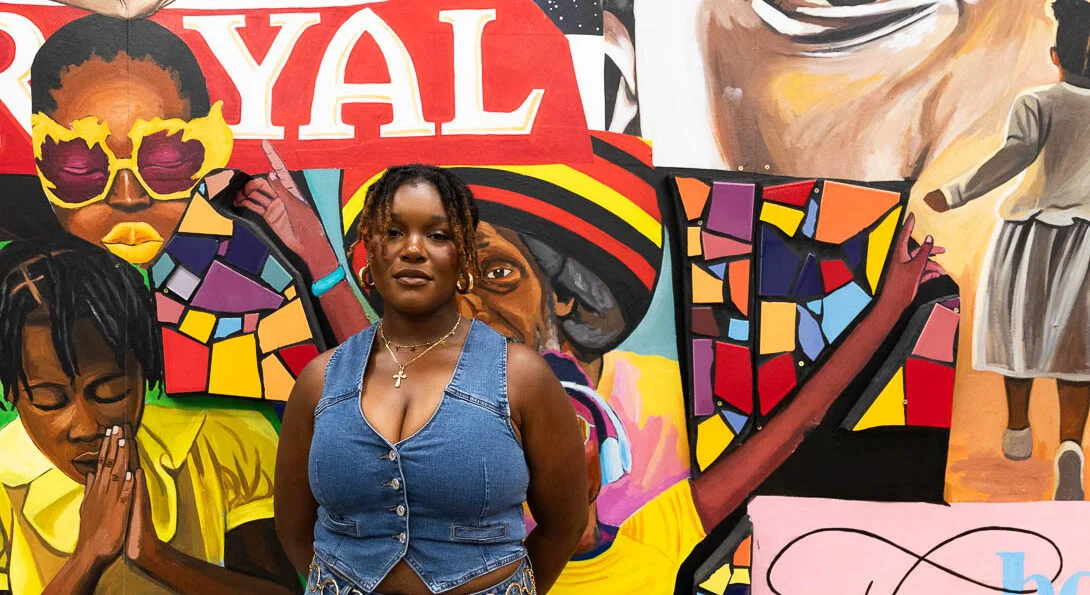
<point x="499" y="272"/>
<point x="831" y="25"/>
<point x="500" y="275"/>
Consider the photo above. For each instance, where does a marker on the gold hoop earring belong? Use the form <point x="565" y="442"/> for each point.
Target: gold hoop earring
<point x="469" y="286"/>
<point x="364" y="273"/>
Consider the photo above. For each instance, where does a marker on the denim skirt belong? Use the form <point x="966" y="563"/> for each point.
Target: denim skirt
<point x="323" y="580"/>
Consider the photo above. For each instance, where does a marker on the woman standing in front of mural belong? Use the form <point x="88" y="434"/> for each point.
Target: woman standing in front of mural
<point x="100" y="492"/>
<point x="1034" y="312"/>
<point x="445" y="432"/>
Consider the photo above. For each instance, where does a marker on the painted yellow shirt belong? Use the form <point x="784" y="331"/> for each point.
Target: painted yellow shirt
<point x="645" y="557"/>
<point x="208" y="472"/>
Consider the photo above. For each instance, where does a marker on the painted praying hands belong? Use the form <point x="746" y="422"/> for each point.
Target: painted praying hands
<point x="116" y="521"/>
<point x="104" y="516"/>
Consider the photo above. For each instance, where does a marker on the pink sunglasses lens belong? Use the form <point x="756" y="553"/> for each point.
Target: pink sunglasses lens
<point x="77" y="172"/>
<point x="168" y="164"/>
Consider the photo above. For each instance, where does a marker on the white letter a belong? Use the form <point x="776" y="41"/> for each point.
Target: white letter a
<point x="331" y="92"/>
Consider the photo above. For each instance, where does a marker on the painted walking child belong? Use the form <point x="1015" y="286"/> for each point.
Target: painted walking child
<point x="1033" y="305"/>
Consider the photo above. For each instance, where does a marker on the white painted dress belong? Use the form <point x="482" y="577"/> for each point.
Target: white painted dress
<point x="1033" y="302"/>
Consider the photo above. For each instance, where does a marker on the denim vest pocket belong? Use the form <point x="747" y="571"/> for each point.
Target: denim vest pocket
<point x="339" y="524"/>
<point x="479" y="534"/>
<point x="326" y="402"/>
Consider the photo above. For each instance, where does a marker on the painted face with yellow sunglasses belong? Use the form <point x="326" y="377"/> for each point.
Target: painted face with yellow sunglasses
<point x="122" y="152"/>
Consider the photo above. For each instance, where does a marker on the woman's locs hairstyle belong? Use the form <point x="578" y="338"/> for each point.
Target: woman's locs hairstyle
<point x="67" y="279"/>
<point x="1073" y="35"/>
<point x="457" y="200"/>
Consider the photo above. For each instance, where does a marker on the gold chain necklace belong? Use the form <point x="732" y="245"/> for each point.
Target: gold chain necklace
<point x="399" y="346"/>
<point x="400" y="366"/>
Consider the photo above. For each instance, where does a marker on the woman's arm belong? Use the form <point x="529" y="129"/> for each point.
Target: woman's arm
<point x="296" y="509"/>
<point x="726" y="485"/>
<point x="542" y="412"/>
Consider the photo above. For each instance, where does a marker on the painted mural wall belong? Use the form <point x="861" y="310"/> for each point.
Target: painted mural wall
<point x="708" y="215"/>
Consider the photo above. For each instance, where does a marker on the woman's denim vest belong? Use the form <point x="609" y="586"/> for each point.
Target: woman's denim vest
<point x="447" y="500"/>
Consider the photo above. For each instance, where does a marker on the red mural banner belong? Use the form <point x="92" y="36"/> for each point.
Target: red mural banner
<point x="371" y="84"/>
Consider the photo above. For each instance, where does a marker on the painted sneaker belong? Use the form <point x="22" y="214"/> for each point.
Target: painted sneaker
<point x="1018" y="444"/>
<point x="1069" y="466"/>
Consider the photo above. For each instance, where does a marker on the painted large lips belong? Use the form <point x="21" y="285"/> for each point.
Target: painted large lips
<point x="135" y="241"/>
<point x="86" y="462"/>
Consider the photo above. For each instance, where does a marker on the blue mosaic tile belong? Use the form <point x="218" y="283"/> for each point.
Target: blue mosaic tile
<point x="246" y="251"/>
<point x="778" y="264"/>
<point x="195" y="253"/>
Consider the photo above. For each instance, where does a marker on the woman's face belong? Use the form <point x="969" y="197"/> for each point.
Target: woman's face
<point x="66" y="416"/>
<point x="511" y="296"/>
<point x="119" y="92"/>
<point x="417" y="271"/>
<point x="873" y="89"/>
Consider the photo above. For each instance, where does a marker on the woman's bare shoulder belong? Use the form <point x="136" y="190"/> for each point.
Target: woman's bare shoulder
<point x="311" y="381"/>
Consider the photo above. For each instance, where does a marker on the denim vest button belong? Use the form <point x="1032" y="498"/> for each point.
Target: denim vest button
<point x="401" y="537"/>
<point x="394" y="483"/>
<point x="400" y="510"/>
<point x="392" y="455"/>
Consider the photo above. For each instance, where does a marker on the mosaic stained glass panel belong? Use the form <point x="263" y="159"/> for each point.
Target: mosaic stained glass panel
<point x="231" y="320"/>
<point x="778" y="272"/>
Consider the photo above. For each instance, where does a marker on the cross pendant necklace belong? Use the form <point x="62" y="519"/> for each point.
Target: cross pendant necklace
<point x="400" y="366"/>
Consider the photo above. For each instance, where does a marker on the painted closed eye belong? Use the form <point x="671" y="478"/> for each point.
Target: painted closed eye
<point x="112" y="388"/>
<point x="832" y="25"/>
<point x="48" y="398"/>
<point x="167" y="163"/>
<point x="111" y="392"/>
<point x="76" y="172"/>
<point x="79" y="167"/>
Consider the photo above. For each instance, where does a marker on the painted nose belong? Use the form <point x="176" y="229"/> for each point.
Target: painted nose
<point x="85" y="425"/>
<point x="127" y="194"/>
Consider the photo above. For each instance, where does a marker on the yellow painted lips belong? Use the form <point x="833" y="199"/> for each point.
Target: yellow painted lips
<point x="135" y="241"/>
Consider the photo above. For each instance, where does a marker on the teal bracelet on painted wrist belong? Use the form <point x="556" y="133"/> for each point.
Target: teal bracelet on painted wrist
<point x="319" y="287"/>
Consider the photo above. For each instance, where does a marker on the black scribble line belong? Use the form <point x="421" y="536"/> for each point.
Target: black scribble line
<point x="920" y="559"/>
